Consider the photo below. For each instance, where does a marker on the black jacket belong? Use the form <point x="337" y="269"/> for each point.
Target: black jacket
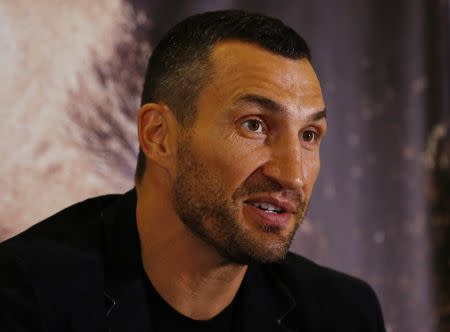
<point x="80" y="270"/>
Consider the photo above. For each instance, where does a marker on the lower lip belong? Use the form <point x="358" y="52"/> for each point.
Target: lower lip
<point x="270" y="219"/>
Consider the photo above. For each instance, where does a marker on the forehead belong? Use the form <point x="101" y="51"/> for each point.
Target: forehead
<point x="240" y="68"/>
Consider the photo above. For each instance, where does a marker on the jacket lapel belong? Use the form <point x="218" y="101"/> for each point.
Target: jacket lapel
<point x="264" y="302"/>
<point x="306" y="315"/>
<point x="124" y="290"/>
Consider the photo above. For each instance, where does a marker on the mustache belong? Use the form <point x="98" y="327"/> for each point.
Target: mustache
<point x="263" y="184"/>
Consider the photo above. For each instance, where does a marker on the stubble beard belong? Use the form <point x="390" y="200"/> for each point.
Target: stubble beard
<point x="201" y="203"/>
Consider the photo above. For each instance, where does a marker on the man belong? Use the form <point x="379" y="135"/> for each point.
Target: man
<point x="230" y="127"/>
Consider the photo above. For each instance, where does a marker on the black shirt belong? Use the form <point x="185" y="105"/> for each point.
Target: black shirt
<point x="165" y="318"/>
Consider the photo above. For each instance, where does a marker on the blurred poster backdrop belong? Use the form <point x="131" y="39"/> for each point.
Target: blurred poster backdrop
<point x="71" y="75"/>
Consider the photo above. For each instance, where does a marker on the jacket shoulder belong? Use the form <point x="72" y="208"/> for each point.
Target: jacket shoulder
<point x="298" y="270"/>
<point x="296" y="266"/>
<point x="341" y="298"/>
<point x="65" y="226"/>
<point x="48" y="262"/>
<point x="51" y="246"/>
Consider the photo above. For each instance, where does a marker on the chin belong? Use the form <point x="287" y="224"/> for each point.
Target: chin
<point x="260" y="259"/>
<point x="263" y="250"/>
<point x="256" y="243"/>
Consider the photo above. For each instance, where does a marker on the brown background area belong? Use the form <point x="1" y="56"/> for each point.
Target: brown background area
<point x="71" y="76"/>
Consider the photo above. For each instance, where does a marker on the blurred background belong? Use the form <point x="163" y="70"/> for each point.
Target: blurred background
<point x="71" y="74"/>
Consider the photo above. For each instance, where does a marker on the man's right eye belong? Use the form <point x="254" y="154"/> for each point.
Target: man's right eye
<point x="253" y="125"/>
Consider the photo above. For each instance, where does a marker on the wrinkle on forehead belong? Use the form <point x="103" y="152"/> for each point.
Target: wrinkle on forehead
<point x="242" y="68"/>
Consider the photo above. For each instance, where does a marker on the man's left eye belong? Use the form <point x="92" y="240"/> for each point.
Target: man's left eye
<point x="309" y="136"/>
<point x="254" y="125"/>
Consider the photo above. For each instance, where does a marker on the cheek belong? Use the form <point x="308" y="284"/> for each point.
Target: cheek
<point x="311" y="168"/>
<point x="231" y="160"/>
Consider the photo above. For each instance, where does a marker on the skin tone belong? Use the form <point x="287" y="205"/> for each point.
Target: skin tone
<point x="255" y="140"/>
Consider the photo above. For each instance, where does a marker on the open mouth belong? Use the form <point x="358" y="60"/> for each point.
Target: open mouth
<point x="267" y="207"/>
<point x="269" y="212"/>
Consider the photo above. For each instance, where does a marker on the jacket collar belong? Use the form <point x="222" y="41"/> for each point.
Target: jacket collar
<point x="264" y="301"/>
<point x="124" y="288"/>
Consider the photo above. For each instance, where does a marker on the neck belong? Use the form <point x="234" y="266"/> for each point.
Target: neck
<point x="187" y="272"/>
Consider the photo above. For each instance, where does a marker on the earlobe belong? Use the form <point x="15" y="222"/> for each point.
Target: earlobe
<point x="154" y="132"/>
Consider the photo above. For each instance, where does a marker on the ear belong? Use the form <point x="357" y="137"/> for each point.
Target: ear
<point x="156" y="131"/>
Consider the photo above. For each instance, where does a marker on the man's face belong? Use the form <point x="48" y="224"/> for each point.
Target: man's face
<point x="246" y="170"/>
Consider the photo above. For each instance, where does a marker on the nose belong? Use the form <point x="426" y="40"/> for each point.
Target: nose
<point x="286" y="165"/>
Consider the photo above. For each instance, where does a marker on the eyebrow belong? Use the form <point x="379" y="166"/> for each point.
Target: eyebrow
<point x="272" y="106"/>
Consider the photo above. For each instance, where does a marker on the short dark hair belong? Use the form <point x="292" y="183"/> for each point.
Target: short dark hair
<point x="179" y="65"/>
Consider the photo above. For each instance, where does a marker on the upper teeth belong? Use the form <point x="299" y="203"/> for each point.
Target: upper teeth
<point x="267" y="206"/>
